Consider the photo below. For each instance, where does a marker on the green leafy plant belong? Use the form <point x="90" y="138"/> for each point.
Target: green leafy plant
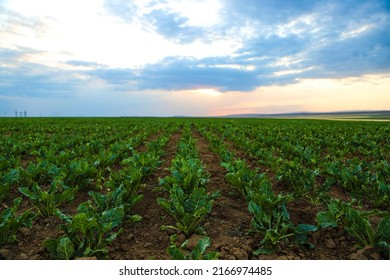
<point x="47" y="202"/>
<point x="11" y="222"/>
<point x="118" y="197"/>
<point x="272" y="220"/>
<point x="300" y="179"/>
<point x="242" y="178"/>
<point x="186" y="148"/>
<point x="188" y="173"/>
<point x="357" y="224"/>
<point x="382" y="235"/>
<point x="80" y="173"/>
<point x="198" y="253"/>
<point x="9" y="180"/>
<point x="86" y="233"/>
<point x="378" y="194"/>
<point x="146" y="162"/>
<point x="128" y="178"/>
<point x="43" y="172"/>
<point x="188" y="210"/>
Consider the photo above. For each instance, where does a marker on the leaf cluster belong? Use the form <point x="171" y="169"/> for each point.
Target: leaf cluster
<point x="357" y="224"/>
<point x="189" y="210"/>
<point x="47" y="201"/>
<point x="11" y="222"/>
<point x="197" y="253"/>
<point x="272" y="220"/>
<point x="87" y="233"/>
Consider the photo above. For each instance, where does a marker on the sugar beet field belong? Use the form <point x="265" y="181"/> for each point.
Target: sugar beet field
<point x="189" y="188"/>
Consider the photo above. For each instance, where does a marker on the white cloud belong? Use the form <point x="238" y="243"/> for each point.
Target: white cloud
<point x="201" y="13"/>
<point x="301" y="25"/>
<point x="82" y="30"/>
<point x="287" y="61"/>
<point x="356" y="32"/>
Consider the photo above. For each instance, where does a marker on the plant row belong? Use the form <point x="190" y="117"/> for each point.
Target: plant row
<point x="188" y="201"/>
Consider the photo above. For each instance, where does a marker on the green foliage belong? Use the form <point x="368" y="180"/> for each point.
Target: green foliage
<point x="272" y="220"/>
<point x="188" y="210"/>
<point x="80" y="173"/>
<point x="61" y="248"/>
<point x="11" y="222"/>
<point x="47" y="202"/>
<point x="10" y="179"/>
<point x="147" y="163"/>
<point x="243" y="178"/>
<point x="87" y="233"/>
<point x="103" y="202"/>
<point x="355" y="176"/>
<point x="43" y="172"/>
<point x="188" y="202"/>
<point x="383" y="237"/>
<point x="300" y="179"/>
<point x="360" y="179"/>
<point x="353" y="221"/>
<point x="105" y="160"/>
<point x="188" y="173"/>
<point x="307" y="156"/>
<point x="128" y="178"/>
<point x="198" y="253"/>
<point x="357" y="224"/>
<point x="378" y="194"/>
<point x="270" y="217"/>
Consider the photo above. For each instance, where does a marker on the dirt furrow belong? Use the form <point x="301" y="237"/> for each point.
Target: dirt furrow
<point x="229" y="220"/>
<point x="145" y="240"/>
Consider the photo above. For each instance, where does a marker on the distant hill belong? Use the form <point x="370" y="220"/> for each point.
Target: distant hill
<point x="383" y="114"/>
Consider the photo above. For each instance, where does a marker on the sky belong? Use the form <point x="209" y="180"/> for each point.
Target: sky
<point x="193" y="57"/>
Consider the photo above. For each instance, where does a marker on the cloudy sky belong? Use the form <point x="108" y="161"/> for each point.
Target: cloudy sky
<point x="193" y="57"/>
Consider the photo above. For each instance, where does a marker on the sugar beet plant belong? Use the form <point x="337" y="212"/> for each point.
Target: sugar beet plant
<point x="357" y="223"/>
<point x="47" y="201"/>
<point x="269" y="211"/>
<point x="199" y="252"/>
<point x="189" y="210"/>
<point x="88" y="232"/>
<point x="118" y="197"/>
<point x="242" y="178"/>
<point x="11" y="222"/>
<point x="272" y="220"/>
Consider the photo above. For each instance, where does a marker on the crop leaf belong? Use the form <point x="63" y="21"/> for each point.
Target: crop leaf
<point x="11" y="222"/>
<point x="198" y="253"/>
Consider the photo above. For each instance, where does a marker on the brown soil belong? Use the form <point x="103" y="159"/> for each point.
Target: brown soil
<point x="229" y="221"/>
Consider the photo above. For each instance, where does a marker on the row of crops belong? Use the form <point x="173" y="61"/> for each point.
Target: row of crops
<point x="89" y="174"/>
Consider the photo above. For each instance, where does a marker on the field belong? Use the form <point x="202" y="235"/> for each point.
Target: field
<point x="194" y="188"/>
